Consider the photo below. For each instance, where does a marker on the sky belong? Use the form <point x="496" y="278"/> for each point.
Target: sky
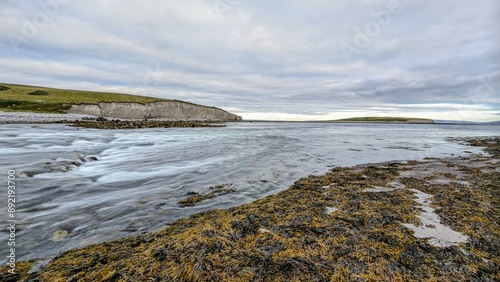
<point x="275" y="60"/>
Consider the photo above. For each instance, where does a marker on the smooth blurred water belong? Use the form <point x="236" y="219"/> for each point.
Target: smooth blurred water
<point x="140" y="175"/>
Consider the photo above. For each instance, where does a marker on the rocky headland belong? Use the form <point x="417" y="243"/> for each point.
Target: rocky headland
<point x="25" y="104"/>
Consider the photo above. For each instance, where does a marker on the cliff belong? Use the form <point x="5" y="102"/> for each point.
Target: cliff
<point x="171" y="109"/>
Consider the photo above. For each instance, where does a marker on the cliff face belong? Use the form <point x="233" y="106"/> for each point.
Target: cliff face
<point x="164" y="109"/>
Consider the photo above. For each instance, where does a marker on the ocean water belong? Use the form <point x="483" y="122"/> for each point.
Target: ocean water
<point x="99" y="185"/>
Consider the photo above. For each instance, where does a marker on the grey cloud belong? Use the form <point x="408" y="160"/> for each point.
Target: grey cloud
<point x="261" y="56"/>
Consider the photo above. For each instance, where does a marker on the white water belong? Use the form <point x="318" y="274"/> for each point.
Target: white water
<point x="141" y="175"/>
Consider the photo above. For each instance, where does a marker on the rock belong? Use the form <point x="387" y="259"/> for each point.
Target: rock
<point x="59" y="235"/>
<point x="91" y="158"/>
<point x="215" y="191"/>
<point x="29" y="173"/>
<point x="101" y="119"/>
<point x="61" y="168"/>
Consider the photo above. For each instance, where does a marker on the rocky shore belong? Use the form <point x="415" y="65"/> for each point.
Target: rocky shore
<point x="432" y="220"/>
<point x="87" y="121"/>
<point x="135" y="124"/>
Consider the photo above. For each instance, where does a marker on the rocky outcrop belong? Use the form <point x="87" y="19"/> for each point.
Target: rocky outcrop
<point x="172" y="109"/>
<point x="134" y="124"/>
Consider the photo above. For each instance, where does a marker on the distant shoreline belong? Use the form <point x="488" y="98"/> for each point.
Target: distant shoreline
<point x="365" y="122"/>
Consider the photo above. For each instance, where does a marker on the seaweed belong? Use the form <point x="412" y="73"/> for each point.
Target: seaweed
<point x="215" y="191"/>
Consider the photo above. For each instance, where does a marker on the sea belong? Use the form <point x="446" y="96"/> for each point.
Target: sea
<point x="75" y="186"/>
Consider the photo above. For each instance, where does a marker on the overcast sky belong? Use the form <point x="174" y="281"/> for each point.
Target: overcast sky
<point x="283" y="60"/>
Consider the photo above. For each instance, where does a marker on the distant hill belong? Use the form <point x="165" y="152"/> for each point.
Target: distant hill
<point x="385" y="120"/>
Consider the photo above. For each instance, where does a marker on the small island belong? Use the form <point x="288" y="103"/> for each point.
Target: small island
<point x="385" y="120"/>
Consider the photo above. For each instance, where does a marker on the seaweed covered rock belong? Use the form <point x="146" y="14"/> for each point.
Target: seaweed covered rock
<point x="214" y="191"/>
<point x="103" y="123"/>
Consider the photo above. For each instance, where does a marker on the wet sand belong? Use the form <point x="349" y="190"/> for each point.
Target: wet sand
<point x="411" y="221"/>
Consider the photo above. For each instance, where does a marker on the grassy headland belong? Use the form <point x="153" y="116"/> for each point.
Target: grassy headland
<point x="385" y="120"/>
<point x="24" y="98"/>
<point x="346" y="225"/>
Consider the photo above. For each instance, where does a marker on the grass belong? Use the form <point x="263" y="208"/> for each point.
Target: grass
<point x="14" y="97"/>
<point x="290" y="237"/>
<point x="382" y="119"/>
<point x="37" y="107"/>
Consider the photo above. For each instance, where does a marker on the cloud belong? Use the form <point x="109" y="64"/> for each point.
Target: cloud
<point x="423" y="58"/>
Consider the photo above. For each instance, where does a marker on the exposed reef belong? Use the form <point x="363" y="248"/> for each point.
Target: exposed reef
<point x="103" y="123"/>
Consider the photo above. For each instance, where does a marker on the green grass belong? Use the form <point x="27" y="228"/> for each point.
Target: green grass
<point x="26" y="106"/>
<point x="17" y="98"/>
